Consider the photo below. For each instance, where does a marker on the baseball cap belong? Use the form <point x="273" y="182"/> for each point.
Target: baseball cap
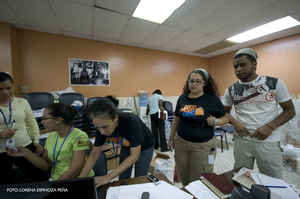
<point x="246" y="51"/>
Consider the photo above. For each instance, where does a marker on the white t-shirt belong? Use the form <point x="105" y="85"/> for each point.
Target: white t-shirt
<point x="257" y="103"/>
<point x="154" y="103"/>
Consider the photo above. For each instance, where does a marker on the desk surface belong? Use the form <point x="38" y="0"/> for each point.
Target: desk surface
<point x="139" y="180"/>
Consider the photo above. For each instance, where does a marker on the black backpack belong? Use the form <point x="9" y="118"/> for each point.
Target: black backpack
<point x="168" y="106"/>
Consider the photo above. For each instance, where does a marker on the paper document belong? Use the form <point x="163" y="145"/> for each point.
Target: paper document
<point x="38" y="113"/>
<point x="200" y="190"/>
<point x="162" y="190"/>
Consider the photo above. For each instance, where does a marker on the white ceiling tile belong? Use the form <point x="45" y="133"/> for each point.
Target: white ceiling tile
<point x="74" y="17"/>
<point x="196" y="24"/>
<point x="122" y="6"/>
<point x="161" y="36"/>
<point x="81" y="2"/>
<point x="6" y="14"/>
<point x="137" y="30"/>
<point x="34" y="13"/>
<point x="192" y="11"/>
<point x="75" y="34"/>
<point x="112" y="29"/>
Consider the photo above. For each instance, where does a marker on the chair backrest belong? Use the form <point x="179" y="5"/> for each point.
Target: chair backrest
<point x="91" y="100"/>
<point x="69" y="98"/>
<point x="39" y="100"/>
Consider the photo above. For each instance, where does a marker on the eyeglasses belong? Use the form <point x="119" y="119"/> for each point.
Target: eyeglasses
<point x="196" y="81"/>
<point x="47" y="118"/>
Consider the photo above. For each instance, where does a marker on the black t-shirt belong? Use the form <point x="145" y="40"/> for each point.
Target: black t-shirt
<point x="193" y="114"/>
<point x="131" y="132"/>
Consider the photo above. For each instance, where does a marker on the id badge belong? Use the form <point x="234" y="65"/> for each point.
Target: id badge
<point x="211" y="159"/>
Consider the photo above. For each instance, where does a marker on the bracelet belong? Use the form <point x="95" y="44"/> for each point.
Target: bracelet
<point x="268" y="125"/>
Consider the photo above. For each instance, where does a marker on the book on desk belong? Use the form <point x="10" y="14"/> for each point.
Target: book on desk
<point x="211" y="186"/>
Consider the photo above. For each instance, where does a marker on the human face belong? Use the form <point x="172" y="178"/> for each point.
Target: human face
<point x="196" y="84"/>
<point x="244" y="69"/>
<point x="49" y="122"/>
<point x="106" y="126"/>
<point x="6" y="90"/>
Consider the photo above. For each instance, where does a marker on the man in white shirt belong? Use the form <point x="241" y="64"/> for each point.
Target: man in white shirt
<point x="257" y="118"/>
<point x="154" y="106"/>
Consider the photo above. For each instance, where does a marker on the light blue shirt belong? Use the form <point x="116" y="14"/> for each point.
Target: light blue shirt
<point x="154" y="103"/>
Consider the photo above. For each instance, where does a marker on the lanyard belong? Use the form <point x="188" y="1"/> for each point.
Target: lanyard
<point x="119" y="141"/>
<point x="9" y="123"/>
<point x="60" y="148"/>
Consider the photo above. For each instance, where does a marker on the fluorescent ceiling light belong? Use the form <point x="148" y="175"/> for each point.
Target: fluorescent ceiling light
<point x="156" y="10"/>
<point x="266" y="29"/>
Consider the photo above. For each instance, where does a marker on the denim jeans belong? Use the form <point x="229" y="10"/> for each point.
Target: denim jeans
<point x="141" y="166"/>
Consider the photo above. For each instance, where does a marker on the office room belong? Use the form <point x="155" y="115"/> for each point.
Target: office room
<point x="136" y="60"/>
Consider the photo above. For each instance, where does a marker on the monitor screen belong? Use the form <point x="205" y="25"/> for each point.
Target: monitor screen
<point x="60" y="189"/>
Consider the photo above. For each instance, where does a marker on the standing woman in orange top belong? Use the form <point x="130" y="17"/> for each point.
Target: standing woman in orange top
<point x="195" y="116"/>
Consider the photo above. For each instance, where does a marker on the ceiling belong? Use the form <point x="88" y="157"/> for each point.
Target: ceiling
<point x="195" y="25"/>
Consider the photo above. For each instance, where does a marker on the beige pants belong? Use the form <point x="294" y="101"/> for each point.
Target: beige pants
<point x="192" y="158"/>
<point x="268" y="156"/>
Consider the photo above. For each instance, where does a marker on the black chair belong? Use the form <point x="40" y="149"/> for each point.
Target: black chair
<point x="220" y="131"/>
<point x="68" y="99"/>
<point x="38" y="101"/>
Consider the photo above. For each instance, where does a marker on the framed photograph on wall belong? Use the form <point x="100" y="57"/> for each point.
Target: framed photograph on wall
<point x="88" y="72"/>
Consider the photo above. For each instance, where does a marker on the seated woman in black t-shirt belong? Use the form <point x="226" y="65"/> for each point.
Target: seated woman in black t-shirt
<point x="195" y="116"/>
<point x="125" y="129"/>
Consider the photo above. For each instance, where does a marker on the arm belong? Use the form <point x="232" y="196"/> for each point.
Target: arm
<point x="160" y="105"/>
<point x="287" y="114"/>
<point x="38" y="161"/>
<point x="148" y="109"/>
<point x="128" y="162"/>
<point x="173" y="132"/>
<point x="91" y="161"/>
<point x="31" y="124"/>
<point x="213" y="121"/>
<point x="76" y="165"/>
<point x="240" y="129"/>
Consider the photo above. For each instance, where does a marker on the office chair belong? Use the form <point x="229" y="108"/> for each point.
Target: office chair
<point x="68" y="99"/>
<point x="219" y="131"/>
<point x="38" y="101"/>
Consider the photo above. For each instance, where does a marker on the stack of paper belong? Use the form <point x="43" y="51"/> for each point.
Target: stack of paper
<point x="162" y="190"/>
<point x="200" y="190"/>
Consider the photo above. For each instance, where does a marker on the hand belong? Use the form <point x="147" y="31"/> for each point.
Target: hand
<point x="17" y="152"/>
<point x="102" y="180"/>
<point x="211" y="120"/>
<point x="8" y="133"/>
<point x="241" y="130"/>
<point x="39" y="149"/>
<point x="171" y="143"/>
<point x="262" y="132"/>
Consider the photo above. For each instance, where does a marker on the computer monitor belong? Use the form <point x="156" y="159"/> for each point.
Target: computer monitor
<point x="61" y="189"/>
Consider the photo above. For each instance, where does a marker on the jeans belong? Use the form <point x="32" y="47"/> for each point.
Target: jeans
<point x="141" y="166"/>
